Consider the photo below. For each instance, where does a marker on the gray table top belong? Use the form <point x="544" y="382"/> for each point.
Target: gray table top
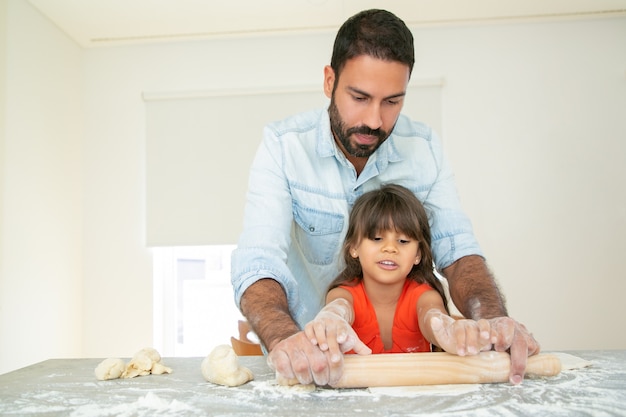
<point x="68" y="387"/>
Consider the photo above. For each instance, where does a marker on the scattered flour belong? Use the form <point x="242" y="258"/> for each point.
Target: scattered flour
<point x="148" y="405"/>
<point x="272" y="389"/>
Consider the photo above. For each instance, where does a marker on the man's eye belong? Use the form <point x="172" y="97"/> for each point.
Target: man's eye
<point x="359" y="98"/>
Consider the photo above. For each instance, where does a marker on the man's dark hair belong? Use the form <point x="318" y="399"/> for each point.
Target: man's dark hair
<point x="377" y="33"/>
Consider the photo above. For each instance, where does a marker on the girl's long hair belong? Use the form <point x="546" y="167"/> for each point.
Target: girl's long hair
<point x="391" y="207"/>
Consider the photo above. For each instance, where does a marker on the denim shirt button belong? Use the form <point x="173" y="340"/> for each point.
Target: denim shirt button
<point x="311" y="229"/>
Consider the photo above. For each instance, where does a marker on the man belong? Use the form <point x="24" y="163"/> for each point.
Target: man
<point x="306" y="175"/>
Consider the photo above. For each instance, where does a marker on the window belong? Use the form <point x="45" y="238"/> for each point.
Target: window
<point x="194" y="307"/>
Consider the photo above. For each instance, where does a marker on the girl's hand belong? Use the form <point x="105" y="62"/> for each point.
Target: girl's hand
<point x="461" y="337"/>
<point x="332" y="332"/>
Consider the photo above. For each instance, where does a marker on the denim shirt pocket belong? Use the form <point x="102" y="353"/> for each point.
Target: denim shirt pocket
<point x="318" y="233"/>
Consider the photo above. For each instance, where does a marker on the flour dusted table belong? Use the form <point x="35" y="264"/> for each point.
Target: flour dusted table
<point x="67" y="387"/>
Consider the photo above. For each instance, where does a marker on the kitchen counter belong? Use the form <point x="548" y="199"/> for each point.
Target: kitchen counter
<point x="68" y="387"/>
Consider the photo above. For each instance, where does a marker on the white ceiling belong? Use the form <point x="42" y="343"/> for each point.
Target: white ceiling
<point x="104" y="22"/>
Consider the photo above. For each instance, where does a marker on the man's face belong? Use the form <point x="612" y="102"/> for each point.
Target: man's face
<point x="366" y="101"/>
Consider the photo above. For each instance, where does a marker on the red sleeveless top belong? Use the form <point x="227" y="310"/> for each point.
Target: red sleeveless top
<point x="406" y="335"/>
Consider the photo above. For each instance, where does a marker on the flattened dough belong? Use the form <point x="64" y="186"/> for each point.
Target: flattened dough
<point x="570" y="362"/>
<point x="410" y="391"/>
<point x="222" y="367"/>
<point x="110" y="368"/>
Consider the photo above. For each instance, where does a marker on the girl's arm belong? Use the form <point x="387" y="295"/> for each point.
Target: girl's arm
<point x="461" y="337"/>
<point x="331" y="329"/>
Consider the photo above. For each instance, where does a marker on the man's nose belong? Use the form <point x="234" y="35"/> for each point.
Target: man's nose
<point x="373" y="118"/>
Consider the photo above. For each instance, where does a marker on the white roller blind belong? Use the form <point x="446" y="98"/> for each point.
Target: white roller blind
<point x="199" y="148"/>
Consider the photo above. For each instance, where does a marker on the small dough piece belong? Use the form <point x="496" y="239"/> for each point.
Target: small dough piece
<point x="158" y="369"/>
<point x="143" y="363"/>
<point x="111" y="368"/>
<point x="222" y="367"/>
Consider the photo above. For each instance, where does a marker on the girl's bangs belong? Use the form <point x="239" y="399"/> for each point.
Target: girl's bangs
<point x="386" y="219"/>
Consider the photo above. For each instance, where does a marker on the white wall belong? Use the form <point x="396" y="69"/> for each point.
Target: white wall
<point x="41" y="193"/>
<point x="533" y="124"/>
<point x="3" y="83"/>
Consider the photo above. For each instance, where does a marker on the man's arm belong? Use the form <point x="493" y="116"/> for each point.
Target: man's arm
<point x="265" y="306"/>
<point x="475" y="293"/>
<point x="474" y="290"/>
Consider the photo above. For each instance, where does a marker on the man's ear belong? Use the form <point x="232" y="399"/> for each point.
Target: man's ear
<point x="329" y="80"/>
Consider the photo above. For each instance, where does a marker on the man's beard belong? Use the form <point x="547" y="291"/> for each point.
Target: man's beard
<point x="343" y="133"/>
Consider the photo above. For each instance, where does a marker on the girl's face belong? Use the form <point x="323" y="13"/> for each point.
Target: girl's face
<point x="387" y="257"/>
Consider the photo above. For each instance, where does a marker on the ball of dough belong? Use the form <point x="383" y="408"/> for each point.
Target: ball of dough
<point x="111" y="368"/>
<point x="222" y="367"/>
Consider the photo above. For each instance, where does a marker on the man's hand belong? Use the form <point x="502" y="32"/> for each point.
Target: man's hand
<point x="508" y="334"/>
<point x="297" y="358"/>
<point x="316" y="355"/>
<point x="292" y="354"/>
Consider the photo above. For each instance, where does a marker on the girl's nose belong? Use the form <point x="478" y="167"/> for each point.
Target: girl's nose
<point x="389" y="247"/>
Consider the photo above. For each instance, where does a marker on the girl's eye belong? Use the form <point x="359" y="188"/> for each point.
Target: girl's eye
<point x="403" y="241"/>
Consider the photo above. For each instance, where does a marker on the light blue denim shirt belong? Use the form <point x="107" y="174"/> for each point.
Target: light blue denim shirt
<point x="302" y="188"/>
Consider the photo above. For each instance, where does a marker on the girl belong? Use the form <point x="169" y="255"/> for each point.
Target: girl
<point x="388" y="299"/>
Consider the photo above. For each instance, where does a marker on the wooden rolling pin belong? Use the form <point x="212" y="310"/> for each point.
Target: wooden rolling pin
<point x="398" y="369"/>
